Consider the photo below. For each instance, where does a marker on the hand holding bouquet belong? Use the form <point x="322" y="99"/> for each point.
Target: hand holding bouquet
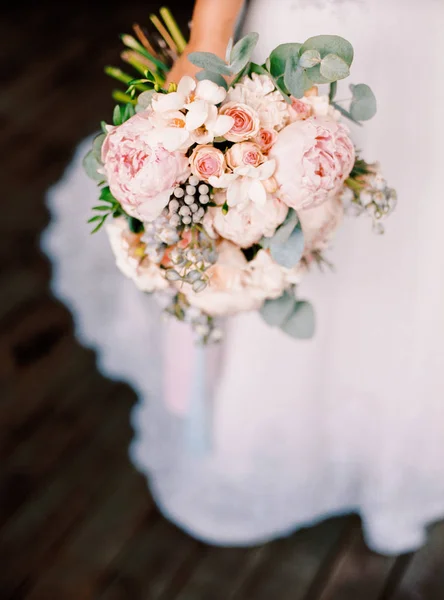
<point x="222" y="195"/>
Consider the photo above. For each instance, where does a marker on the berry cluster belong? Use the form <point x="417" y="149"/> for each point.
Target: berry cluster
<point x="188" y="202"/>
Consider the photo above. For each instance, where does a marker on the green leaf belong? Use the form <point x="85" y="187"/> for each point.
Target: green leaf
<point x="259" y="69"/>
<point x="310" y="58"/>
<point x="117" y="115"/>
<point x="91" y="166"/>
<point x="284" y="231"/>
<point x="278" y="58"/>
<point x="103" y="125"/>
<point x="314" y="73"/>
<point x="135" y="225"/>
<point x="97" y="146"/>
<point x="205" y="74"/>
<point x="289" y="253"/>
<point x="295" y="78"/>
<point x="107" y="196"/>
<point x="210" y="62"/>
<point x="363" y="105"/>
<point x="144" y="100"/>
<point x="332" y="92"/>
<point x="101" y="207"/>
<point x="241" y="53"/>
<point x="128" y="112"/>
<point x="330" y="44"/>
<point x="333" y="67"/>
<point x="345" y="113"/>
<point x="95" y="218"/>
<point x="99" y="225"/>
<point x="276" y="312"/>
<point x="301" y="323"/>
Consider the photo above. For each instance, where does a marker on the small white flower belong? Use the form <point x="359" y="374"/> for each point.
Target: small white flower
<point x="249" y="184"/>
<point x="203" y="119"/>
<point x="174" y="100"/>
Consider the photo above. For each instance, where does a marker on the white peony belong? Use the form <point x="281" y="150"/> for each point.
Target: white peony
<point x="259" y="92"/>
<point x="125" y="245"/>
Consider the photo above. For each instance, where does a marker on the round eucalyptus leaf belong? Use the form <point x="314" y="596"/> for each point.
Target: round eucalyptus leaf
<point x="363" y="105"/>
<point x="241" y="53"/>
<point x="289" y="253"/>
<point x="276" y="312"/>
<point x="310" y="58"/>
<point x="284" y="231"/>
<point x="91" y="166"/>
<point x="295" y="78"/>
<point x="333" y="67"/>
<point x="330" y="44"/>
<point x="210" y="62"/>
<point x="215" y="77"/>
<point x="97" y="146"/>
<point x="301" y="323"/>
<point x="278" y="58"/>
<point x="144" y="100"/>
<point x="314" y="74"/>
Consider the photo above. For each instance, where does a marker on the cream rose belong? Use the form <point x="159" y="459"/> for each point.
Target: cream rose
<point x="313" y="159"/>
<point x="265" y="139"/>
<point x="244" y="153"/>
<point x="246" y="121"/>
<point x="207" y="161"/>
<point x="141" y="172"/>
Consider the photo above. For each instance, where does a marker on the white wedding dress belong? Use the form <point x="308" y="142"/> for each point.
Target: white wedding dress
<point x="352" y="420"/>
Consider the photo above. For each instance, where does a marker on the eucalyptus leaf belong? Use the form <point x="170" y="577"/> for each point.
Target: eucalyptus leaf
<point x="276" y="312"/>
<point x="333" y="67"/>
<point x="310" y="58"/>
<point x="345" y="113"/>
<point x="330" y="44"/>
<point x="289" y="253"/>
<point x="314" y="73"/>
<point x="284" y="231"/>
<point x="259" y="69"/>
<point x="205" y="74"/>
<point x="91" y="166"/>
<point x="301" y="323"/>
<point x="241" y="53"/>
<point x="295" y="78"/>
<point x="278" y="58"/>
<point x="210" y="62"/>
<point x="363" y="105"/>
<point x="97" y="146"/>
<point x="144" y="100"/>
<point x="228" y="50"/>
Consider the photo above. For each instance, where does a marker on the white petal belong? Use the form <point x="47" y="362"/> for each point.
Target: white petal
<point x="186" y="85"/>
<point x="223" y="124"/>
<point x="267" y="169"/>
<point x="210" y="92"/>
<point x="257" y="193"/>
<point x="196" y="115"/>
<point x="247" y="171"/>
<point x="151" y="209"/>
<point x="173" y="138"/>
<point x="237" y="192"/>
<point x="166" y="102"/>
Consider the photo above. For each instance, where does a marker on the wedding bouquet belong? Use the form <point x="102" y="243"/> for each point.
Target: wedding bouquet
<point x="223" y="191"/>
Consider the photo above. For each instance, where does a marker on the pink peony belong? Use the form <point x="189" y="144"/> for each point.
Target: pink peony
<point x="319" y="223"/>
<point x="207" y="161"/>
<point x="265" y="139"/>
<point x="244" y="153"/>
<point x="246" y="121"/>
<point x="313" y="158"/>
<point x="141" y="173"/>
<point x="246" y="224"/>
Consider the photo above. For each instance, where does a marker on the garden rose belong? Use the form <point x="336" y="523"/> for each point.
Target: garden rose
<point x="313" y="159"/>
<point x="207" y="161"/>
<point x="141" y="173"/>
<point x="244" y="153"/>
<point x="265" y="139"/>
<point x="246" y="121"/>
<point x="246" y="224"/>
<point x="128" y="250"/>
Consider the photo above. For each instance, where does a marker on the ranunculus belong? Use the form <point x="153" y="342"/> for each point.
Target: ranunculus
<point x="319" y="223"/>
<point x="246" y="121"/>
<point x="260" y="93"/>
<point x="207" y="161"/>
<point x="244" y="153"/>
<point x="141" y="173"/>
<point x="265" y="139"/>
<point x="313" y="158"/>
<point x="246" y="224"/>
<point x="126" y="247"/>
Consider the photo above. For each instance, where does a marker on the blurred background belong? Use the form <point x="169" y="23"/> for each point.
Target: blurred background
<point x="76" y="519"/>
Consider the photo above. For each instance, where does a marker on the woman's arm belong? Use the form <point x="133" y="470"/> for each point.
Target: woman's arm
<point x="212" y="27"/>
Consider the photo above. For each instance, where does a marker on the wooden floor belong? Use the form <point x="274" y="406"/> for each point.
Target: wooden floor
<point x="76" y="519"/>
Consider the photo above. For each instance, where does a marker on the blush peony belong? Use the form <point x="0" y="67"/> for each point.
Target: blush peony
<point x="141" y="172"/>
<point x="246" y="224"/>
<point x="313" y="159"/>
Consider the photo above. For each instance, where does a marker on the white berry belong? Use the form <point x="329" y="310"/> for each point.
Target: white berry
<point x="178" y="192"/>
<point x="193" y="180"/>
<point x="189" y="199"/>
<point x="204" y="199"/>
<point x="204" y="189"/>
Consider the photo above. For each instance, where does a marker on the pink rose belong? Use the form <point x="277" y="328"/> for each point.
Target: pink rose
<point x="313" y="158"/>
<point x="207" y="161"/>
<point x="265" y="139"/>
<point x="141" y="173"/>
<point x="246" y="121"/>
<point x="319" y="223"/>
<point x="246" y="224"/>
<point x="244" y="153"/>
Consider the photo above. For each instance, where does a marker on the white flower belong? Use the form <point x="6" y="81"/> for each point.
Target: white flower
<point x="202" y="119"/>
<point x="174" y="100"/>
<point x="260" y="94"/>
<point x="147" y="276"/>
<point x="246" y="183"/>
